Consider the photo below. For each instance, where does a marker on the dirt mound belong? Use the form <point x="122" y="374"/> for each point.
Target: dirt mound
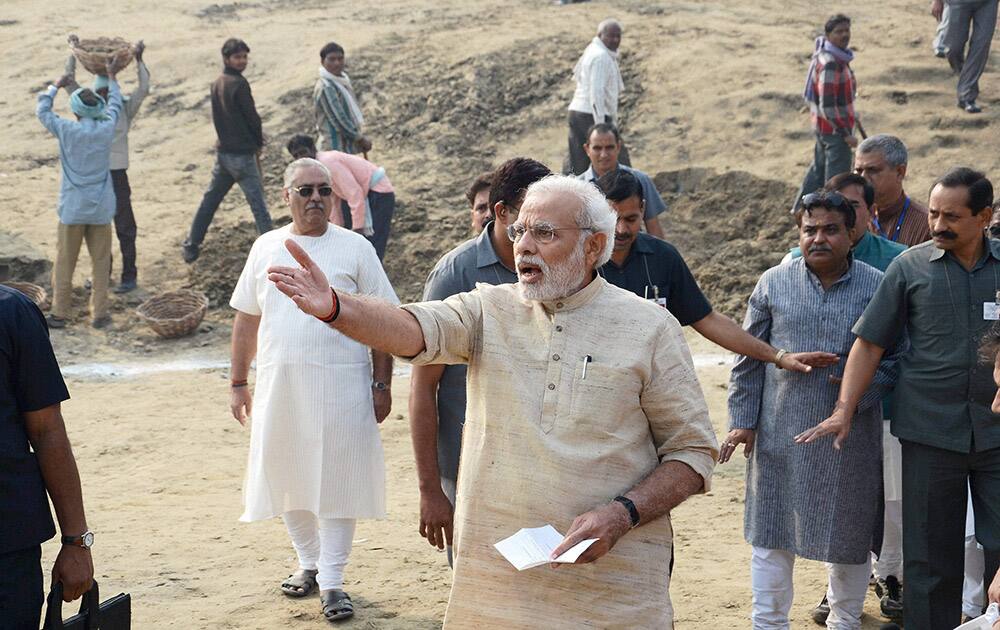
<point x="730" y="228"/>
<point x="218" y="267"/>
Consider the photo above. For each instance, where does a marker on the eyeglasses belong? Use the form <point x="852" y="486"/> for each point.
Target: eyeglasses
<point x="826" y="200"/>
<point x="541" y="232"/>
<point x="307" y="190"/>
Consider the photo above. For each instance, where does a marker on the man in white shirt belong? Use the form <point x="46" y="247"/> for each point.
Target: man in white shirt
<point x="598" y="86"/>
<point x="315" y="451"/>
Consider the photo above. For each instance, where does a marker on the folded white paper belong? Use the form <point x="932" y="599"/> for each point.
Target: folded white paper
<point x="533" y="546"/>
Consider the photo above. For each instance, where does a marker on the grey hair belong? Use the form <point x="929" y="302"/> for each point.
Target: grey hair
<point x="609" y="22"/>
<point x="891" y="148"/>
<point x="301" y="163"/>
<point x="594" y="214"/>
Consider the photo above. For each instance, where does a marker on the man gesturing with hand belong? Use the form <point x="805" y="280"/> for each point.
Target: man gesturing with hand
<point x="562" y="426"/>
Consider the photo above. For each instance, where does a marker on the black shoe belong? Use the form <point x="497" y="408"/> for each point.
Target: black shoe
<point x="189" y="252"/>
<point x="102" y="322"/>
<point x="940" y="53"/>
<point x="890" y="597"/>
<point x="970" y="107"/>
<point x="126" y="286"/>
<point x="821" y="612"/>
<point x="55" y="322"/>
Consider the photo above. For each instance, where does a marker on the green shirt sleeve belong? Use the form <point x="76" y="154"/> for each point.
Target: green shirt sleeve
<point x="884" y="318"/>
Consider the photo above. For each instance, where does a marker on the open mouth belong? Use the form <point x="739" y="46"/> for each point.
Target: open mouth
<point x="529" y="273"/>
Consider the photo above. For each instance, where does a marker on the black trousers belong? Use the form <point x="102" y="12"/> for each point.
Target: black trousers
<point x="21" y="594"/>
<point x="578" y="162"/>
<point x="125" y="226"/>
<point x="935" y="493"/>
<point x="383" y="206"/>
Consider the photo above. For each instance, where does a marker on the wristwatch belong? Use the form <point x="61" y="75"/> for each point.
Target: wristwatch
<point x="85" y="540"/>
<point x="379" y="385"/>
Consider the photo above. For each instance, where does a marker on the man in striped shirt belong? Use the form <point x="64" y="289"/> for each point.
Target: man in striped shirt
<point x="896" y="216"/>
<point x="830" y="91"/>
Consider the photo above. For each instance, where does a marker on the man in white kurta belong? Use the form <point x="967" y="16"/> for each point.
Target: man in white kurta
<point x="315" y="451"/>
<point x="584" y="412"/>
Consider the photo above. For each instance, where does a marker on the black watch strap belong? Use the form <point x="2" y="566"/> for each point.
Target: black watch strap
<point x="633" y="513"/>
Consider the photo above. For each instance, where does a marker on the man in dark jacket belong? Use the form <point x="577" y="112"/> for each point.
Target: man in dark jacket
<point x="240" y="142"/>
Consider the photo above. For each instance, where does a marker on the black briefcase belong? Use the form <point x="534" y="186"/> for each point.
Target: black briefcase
<point x="114" y="614"/>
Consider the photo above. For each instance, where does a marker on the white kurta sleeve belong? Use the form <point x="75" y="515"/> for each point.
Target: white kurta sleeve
<point x="244" y="297"/>
<point x="371" y="276"/>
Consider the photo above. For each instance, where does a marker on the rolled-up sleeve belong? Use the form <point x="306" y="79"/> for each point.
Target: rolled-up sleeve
<point x="452" y="328"/>
<point x="675" y="406"/>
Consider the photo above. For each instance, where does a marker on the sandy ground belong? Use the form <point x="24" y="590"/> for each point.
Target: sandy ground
<point x="451" y="88"/>
<point x="162" y="464"/>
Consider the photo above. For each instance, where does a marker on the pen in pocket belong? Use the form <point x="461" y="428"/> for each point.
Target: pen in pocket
<point x="587" y="359"/>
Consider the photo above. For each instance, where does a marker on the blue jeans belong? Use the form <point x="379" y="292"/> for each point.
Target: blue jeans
<point x="231" y="168"/>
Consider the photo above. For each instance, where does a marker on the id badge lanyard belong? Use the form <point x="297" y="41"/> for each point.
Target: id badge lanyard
<point x="899" y="222"/>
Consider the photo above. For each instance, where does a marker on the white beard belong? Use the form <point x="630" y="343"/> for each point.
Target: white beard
<point x="559" y="281"/>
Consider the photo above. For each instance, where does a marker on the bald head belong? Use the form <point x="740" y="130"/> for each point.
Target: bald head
<point x="610" y="33"/>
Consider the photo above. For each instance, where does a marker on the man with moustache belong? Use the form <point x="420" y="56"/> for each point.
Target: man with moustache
<point x="604" y="145"/>
<point x="546" y="391"/>
<point x="437" y="392"/>
<point x="812" y="300"/>
<point x="877" y="252"/>
<point x="882" y="159"/>
<point x="315" y="452"/>
<point x="478" y="197"/>
<point x="653" y="269"/>
<point x="943" y="294"/>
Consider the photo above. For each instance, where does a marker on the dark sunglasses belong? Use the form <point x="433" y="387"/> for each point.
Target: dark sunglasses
<point x="826" y="200"/>
<point x="307" y="191"/>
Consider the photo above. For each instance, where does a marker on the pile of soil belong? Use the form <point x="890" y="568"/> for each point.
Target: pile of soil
<point x="730" y="228"/>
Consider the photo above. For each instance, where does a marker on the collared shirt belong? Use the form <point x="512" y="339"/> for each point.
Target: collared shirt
<point x="459" y="271"/>
<point x="873" y="250"/>
<point x="790" y="308"/>
<point x="29" y="381"/>
<point x="944" y="392"/>
<point x="654" y="204"/>
<point x="235" y="115"/>
<point x="544" y="443"/>
<point x="598" y="82"/>
<point x="655" y="270"/>
<point x="86" y="195"/>
<point x="914" y="229"/>
<point x="832" y="111"/>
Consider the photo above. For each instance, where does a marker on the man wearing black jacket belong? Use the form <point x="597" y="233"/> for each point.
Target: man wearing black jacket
<point x="240" y="142"/>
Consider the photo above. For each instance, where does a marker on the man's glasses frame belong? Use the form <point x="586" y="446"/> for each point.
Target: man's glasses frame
<point x="540" y="232"/>
<point x="306" y="191"/>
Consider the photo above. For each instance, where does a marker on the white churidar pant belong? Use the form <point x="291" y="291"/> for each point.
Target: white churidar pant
<point x="322" y="544"/>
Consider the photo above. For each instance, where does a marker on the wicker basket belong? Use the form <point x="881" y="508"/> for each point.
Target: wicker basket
<point x="174" y="313"/>
<point x="36" y="293"/>
<point x="93" y="54"/>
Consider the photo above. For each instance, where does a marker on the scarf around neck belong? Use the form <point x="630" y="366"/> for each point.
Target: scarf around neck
<point x="823" y="45"/>
<point x="343" y="84"/>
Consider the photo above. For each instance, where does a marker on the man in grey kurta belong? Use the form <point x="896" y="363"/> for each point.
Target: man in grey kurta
<point x="809" y="501"/>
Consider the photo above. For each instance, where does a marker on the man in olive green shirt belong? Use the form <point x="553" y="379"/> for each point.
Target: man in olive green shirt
<point x="944" y="294"/>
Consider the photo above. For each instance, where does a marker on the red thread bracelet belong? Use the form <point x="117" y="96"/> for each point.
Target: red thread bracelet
<point x="335" y="312"/>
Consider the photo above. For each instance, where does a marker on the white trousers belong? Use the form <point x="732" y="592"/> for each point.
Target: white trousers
<point x="975" y="566"/>
<point x="890" y="561"/>
<point x="322" y="544"/>
<point x="771" y="580"/>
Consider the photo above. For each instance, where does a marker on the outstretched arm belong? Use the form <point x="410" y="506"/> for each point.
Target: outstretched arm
<point x="370" y="321"/>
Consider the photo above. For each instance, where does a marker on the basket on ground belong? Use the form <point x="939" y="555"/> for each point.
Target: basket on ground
<point x="174" y="313"/>
<point x="93" y="54"/>
<point x="36" y="293"/>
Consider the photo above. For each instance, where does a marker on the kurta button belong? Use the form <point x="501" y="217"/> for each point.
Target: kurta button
<point x="555" y="357"/>
<point x="559" y="304"/>
<point x="552" y="386"/>
<point x="558" y="328"/>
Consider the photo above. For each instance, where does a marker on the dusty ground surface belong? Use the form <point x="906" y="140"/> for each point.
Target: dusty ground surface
<point x="450" y="88"/>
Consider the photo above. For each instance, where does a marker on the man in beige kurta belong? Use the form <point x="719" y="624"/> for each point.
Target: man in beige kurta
<point x="545" y="442"/>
